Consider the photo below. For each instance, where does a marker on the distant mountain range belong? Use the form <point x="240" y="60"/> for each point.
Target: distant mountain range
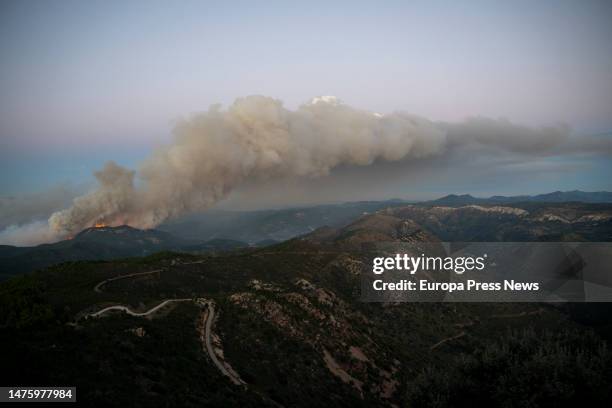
<point x="216" y="230"/>
<point x="283" y="224"/>
<point x="554" y="197"/>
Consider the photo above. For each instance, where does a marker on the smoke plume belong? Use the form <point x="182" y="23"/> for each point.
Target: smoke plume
<point x="256" y="138"/>
<point x="19" y="209"/>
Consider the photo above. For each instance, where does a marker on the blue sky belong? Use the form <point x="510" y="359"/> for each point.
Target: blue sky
<point x="85" y="82"/>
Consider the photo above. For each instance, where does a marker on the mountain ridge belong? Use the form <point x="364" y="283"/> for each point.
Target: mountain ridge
<point x="104" y="243"/>
<point x="593" y="197"/>
<point x="205" y="233"/>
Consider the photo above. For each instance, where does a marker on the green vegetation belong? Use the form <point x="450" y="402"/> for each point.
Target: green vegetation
<point x="523" y="368"/>
<point x="22" y="305"/>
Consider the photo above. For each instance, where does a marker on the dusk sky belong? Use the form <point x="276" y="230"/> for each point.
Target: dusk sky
<point x="83" y="82"/>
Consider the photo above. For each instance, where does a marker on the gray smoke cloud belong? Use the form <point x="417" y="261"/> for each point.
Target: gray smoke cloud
<point x="256" y="139"/>
<point x="24" y="217"/>
<point x="21" y="209"/>
<point x="505" y="135"/>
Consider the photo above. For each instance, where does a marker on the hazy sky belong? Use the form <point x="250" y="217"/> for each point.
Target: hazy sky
<point x="86" y="81"/>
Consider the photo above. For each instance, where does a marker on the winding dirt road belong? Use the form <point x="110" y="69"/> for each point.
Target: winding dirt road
<point x="139" y="314"/>
<point x="98" y="287"/>
<point x="207" y="324"/>
<point x="205" y="335"/>
<point x="222" y="366"/>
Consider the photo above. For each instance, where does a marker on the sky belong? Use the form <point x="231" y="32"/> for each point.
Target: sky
<point x="83" y="82"/>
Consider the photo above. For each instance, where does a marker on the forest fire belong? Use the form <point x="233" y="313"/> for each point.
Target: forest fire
<point x="100" y="224"/>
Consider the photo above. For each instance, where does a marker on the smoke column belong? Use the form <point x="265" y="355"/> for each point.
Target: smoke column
<point x="255" y="138"/>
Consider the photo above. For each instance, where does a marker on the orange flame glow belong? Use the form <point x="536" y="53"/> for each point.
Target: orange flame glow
<point x="99" y="224"/>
